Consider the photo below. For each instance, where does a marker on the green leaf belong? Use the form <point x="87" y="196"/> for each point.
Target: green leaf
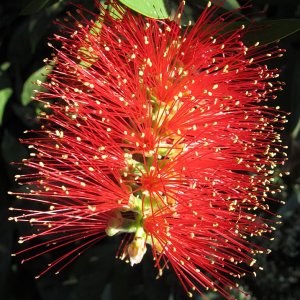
<point x="117" y="14"/>
<point x="29" y="87"/>
<point x="33" y="6"/>
<point x="5" y="88"/>
<point x="296" y="130"/>
<point x="4" y="67"/>
<point x="265" y="32"/>
<point x="18" y="55"/>
<point x="4" y="96"/>
<point x="152" y="8"/>
<point x="231" y="4"/>
<point x="40" y="23"/>
<point x="269" y="31"/>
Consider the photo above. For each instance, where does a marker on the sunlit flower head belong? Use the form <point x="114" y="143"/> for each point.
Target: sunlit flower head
<point x="161" y="133"/>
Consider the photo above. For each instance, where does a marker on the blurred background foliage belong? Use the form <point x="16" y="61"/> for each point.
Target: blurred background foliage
<point x="25" y="27"/>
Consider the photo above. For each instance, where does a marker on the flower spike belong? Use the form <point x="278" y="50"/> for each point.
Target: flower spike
<point x="159" y="132"/>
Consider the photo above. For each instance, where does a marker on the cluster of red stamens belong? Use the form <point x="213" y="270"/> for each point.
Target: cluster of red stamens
<point x="161" y="133"/>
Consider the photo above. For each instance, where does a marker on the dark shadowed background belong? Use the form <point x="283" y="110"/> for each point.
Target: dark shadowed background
<point x="24" y="32"/>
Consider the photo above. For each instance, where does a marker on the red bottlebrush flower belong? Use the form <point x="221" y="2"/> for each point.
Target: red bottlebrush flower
<point x="159" y="132"/>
